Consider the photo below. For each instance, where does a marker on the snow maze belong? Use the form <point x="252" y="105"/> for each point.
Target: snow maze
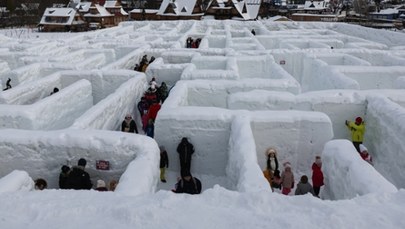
<point x="292" y="86"/>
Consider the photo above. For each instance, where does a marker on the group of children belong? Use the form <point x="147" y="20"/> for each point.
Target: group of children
<point x="285" y="181"/>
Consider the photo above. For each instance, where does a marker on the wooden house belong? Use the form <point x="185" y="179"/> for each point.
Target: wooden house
<point x="115" y="8"/>
<point x="61" y="19"/>
<point x="99" y="17"/>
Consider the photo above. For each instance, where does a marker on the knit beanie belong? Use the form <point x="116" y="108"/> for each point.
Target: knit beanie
<point x="362" y="148"/>
<point x="100" y="184"/>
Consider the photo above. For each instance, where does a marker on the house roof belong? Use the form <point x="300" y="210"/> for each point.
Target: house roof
<point x="101" y="12"/>
<point x="83" y="7"/>
<point x="316" y="5"/>
<point x="180" y="7"/>
<point x="248" y="9"/>
<point x="111" y="4"/>
<point x="58" y="12"/>
<point x="387" y="11"/>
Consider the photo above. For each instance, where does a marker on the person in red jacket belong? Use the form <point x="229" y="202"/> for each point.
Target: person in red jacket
<point x="317" y="175"/>
<point x="153" y="110"/>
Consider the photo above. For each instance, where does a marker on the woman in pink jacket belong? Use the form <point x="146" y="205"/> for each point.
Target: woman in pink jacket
<point x="287" y="179"/>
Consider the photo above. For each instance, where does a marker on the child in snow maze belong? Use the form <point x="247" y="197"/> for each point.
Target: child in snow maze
<point x="317" y="175"/>
<point x="365" y="155"/>
<point x="287" y="179"/>
<point x="303" y="187"/>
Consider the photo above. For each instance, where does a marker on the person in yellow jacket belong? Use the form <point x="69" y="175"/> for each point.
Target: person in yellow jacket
<point x="357" y="129"/>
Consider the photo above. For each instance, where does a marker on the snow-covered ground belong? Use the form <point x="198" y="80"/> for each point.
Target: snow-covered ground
<point x="291" y="87"/>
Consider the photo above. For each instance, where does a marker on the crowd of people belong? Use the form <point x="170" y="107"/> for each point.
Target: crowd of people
<point x="191" y="43"/>
<point x="285" y="181"/>
<point x="76" y="178"/>
<point x="148" y="108"/>
<point x="143" y="64"/>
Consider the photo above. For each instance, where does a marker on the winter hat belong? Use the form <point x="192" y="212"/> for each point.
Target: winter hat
<point x="82" y="162"/>
<point x="100" y="184"/>
<point x="271" y="150"/>
<point x="362" y="148"/>
<point x="359" y="120"/>
<point x="287" y="165"/>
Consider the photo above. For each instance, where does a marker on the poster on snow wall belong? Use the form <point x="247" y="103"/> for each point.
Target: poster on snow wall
<point x="102" y="165"/>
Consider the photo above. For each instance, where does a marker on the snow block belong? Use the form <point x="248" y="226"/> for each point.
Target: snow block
<point x="347" y="175"/>
<point x="16" y="181"/>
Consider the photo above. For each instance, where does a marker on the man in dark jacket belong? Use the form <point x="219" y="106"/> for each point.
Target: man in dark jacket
<point x="188" y="184"/>
<point x="185" y="150"/>
<point x="78" y="178"/>
<point x="164" y="163"/>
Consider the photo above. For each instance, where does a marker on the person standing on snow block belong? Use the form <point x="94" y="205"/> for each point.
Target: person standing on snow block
<point x="63" y="177"/>
<point x="287" y="179"/>
<point x="365" y="155"/>
<point x="78" y="178"/>
<point x="164" y="163"/>
<point x="185" y="150"/>
<point x="357" y="130"/>
<point x="317" y="175"/>
<point x="129" y="125"/>
<point x="188" y="184"/>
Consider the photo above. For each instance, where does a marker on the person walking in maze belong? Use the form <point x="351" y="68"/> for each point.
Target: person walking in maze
<point x="185" y="150"/>
<point x="129" y="125"/>
<point x="78" y="178"/>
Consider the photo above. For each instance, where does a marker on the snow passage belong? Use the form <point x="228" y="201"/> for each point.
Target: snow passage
<point x="291" y="87"/>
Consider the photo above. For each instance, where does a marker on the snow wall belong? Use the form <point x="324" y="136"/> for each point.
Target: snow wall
<point x="42" y="154"/>
<point x="384" y="138"/>
<point x="50" y="113"/>
<point x="16" y="181"/>
<point x="209" y="129"/>
<point x="347" y="175"/>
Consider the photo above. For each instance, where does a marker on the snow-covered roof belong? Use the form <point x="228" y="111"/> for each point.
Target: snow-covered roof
<point x="148" y="11"/>
<point x="111" y="4"/>
<point x="3" y="9"/>
<point x="83" y="6"/>
<point x="251" y="8"/>
<point x="316" y="5"/>
<point x="279" y="18"/>
<point x="58" y="13"/>
<point x="102" y="12"/>
<point x="387" y="11"/>
<point x="180" y="7"/>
